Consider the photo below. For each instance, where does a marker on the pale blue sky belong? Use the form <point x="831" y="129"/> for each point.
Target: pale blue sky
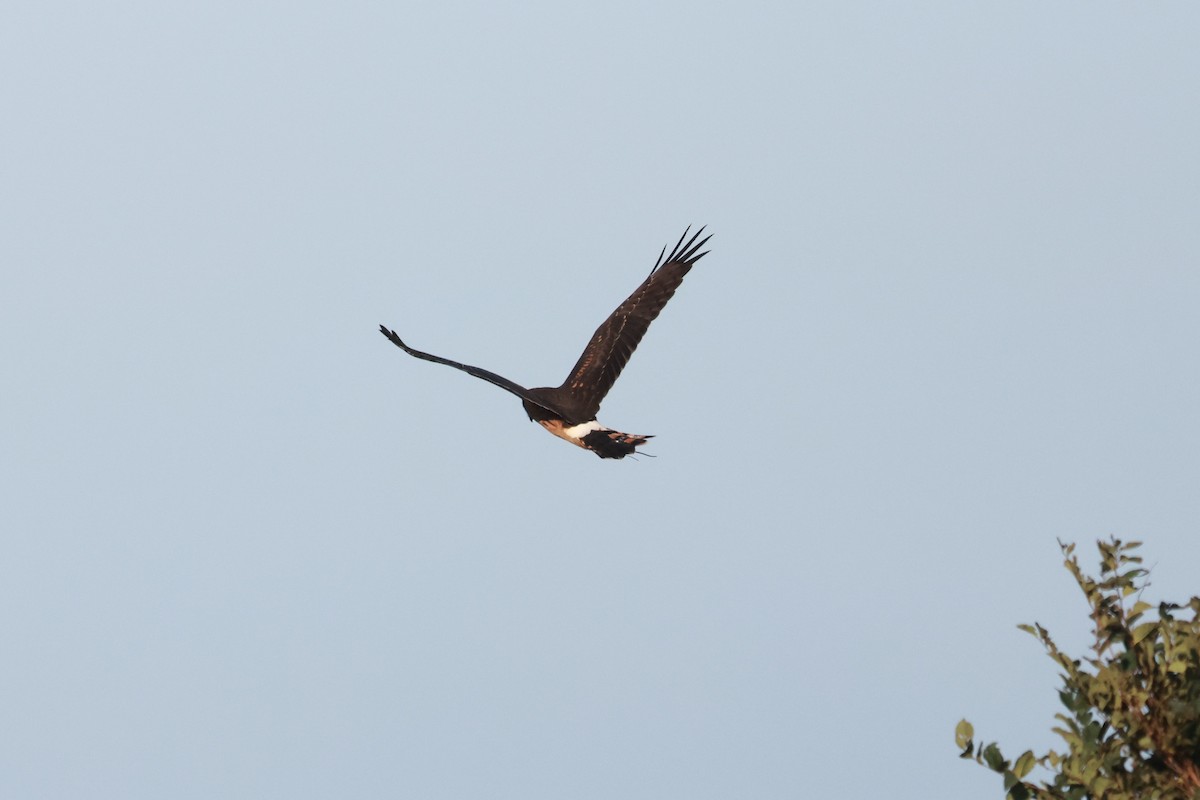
<point x="251" y="550"/>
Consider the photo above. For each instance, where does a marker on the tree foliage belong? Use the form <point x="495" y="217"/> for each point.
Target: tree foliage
<point x="1132" y="720"/>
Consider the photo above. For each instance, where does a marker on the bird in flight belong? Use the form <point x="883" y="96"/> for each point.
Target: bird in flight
<point x="569" y="411"/>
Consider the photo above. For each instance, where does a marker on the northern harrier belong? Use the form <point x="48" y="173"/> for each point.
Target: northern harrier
<point x="569" y="411"/>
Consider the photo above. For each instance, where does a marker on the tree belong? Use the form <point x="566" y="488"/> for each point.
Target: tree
<point x="1132" y="721"/>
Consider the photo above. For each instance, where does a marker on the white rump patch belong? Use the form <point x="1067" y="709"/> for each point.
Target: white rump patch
<point x="583" y="429"/>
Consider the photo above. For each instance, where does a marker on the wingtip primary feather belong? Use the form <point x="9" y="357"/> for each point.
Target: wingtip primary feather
<point x="658" y="261"/>
<point x="394" y="338"/>
<point x="675" y="249"/>
<point x="684" y="252"/>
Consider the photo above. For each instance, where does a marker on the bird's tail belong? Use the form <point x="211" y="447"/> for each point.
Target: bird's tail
<point x="608" y="443"/>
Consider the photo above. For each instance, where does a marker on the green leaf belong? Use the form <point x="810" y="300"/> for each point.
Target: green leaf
<point x="1139" y="608"/>
<point x="1143" y="630"/>
<point x="993" y="758"/>
<point x="1024" y="764"/>
<point x="963" y="734"/>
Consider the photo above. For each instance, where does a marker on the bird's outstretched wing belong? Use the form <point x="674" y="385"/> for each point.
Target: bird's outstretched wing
<point x="614" y="342"/>
<point x="490" y="377"/>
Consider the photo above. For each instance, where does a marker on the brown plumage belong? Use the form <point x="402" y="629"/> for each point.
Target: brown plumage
<point x="569" y="411"/>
